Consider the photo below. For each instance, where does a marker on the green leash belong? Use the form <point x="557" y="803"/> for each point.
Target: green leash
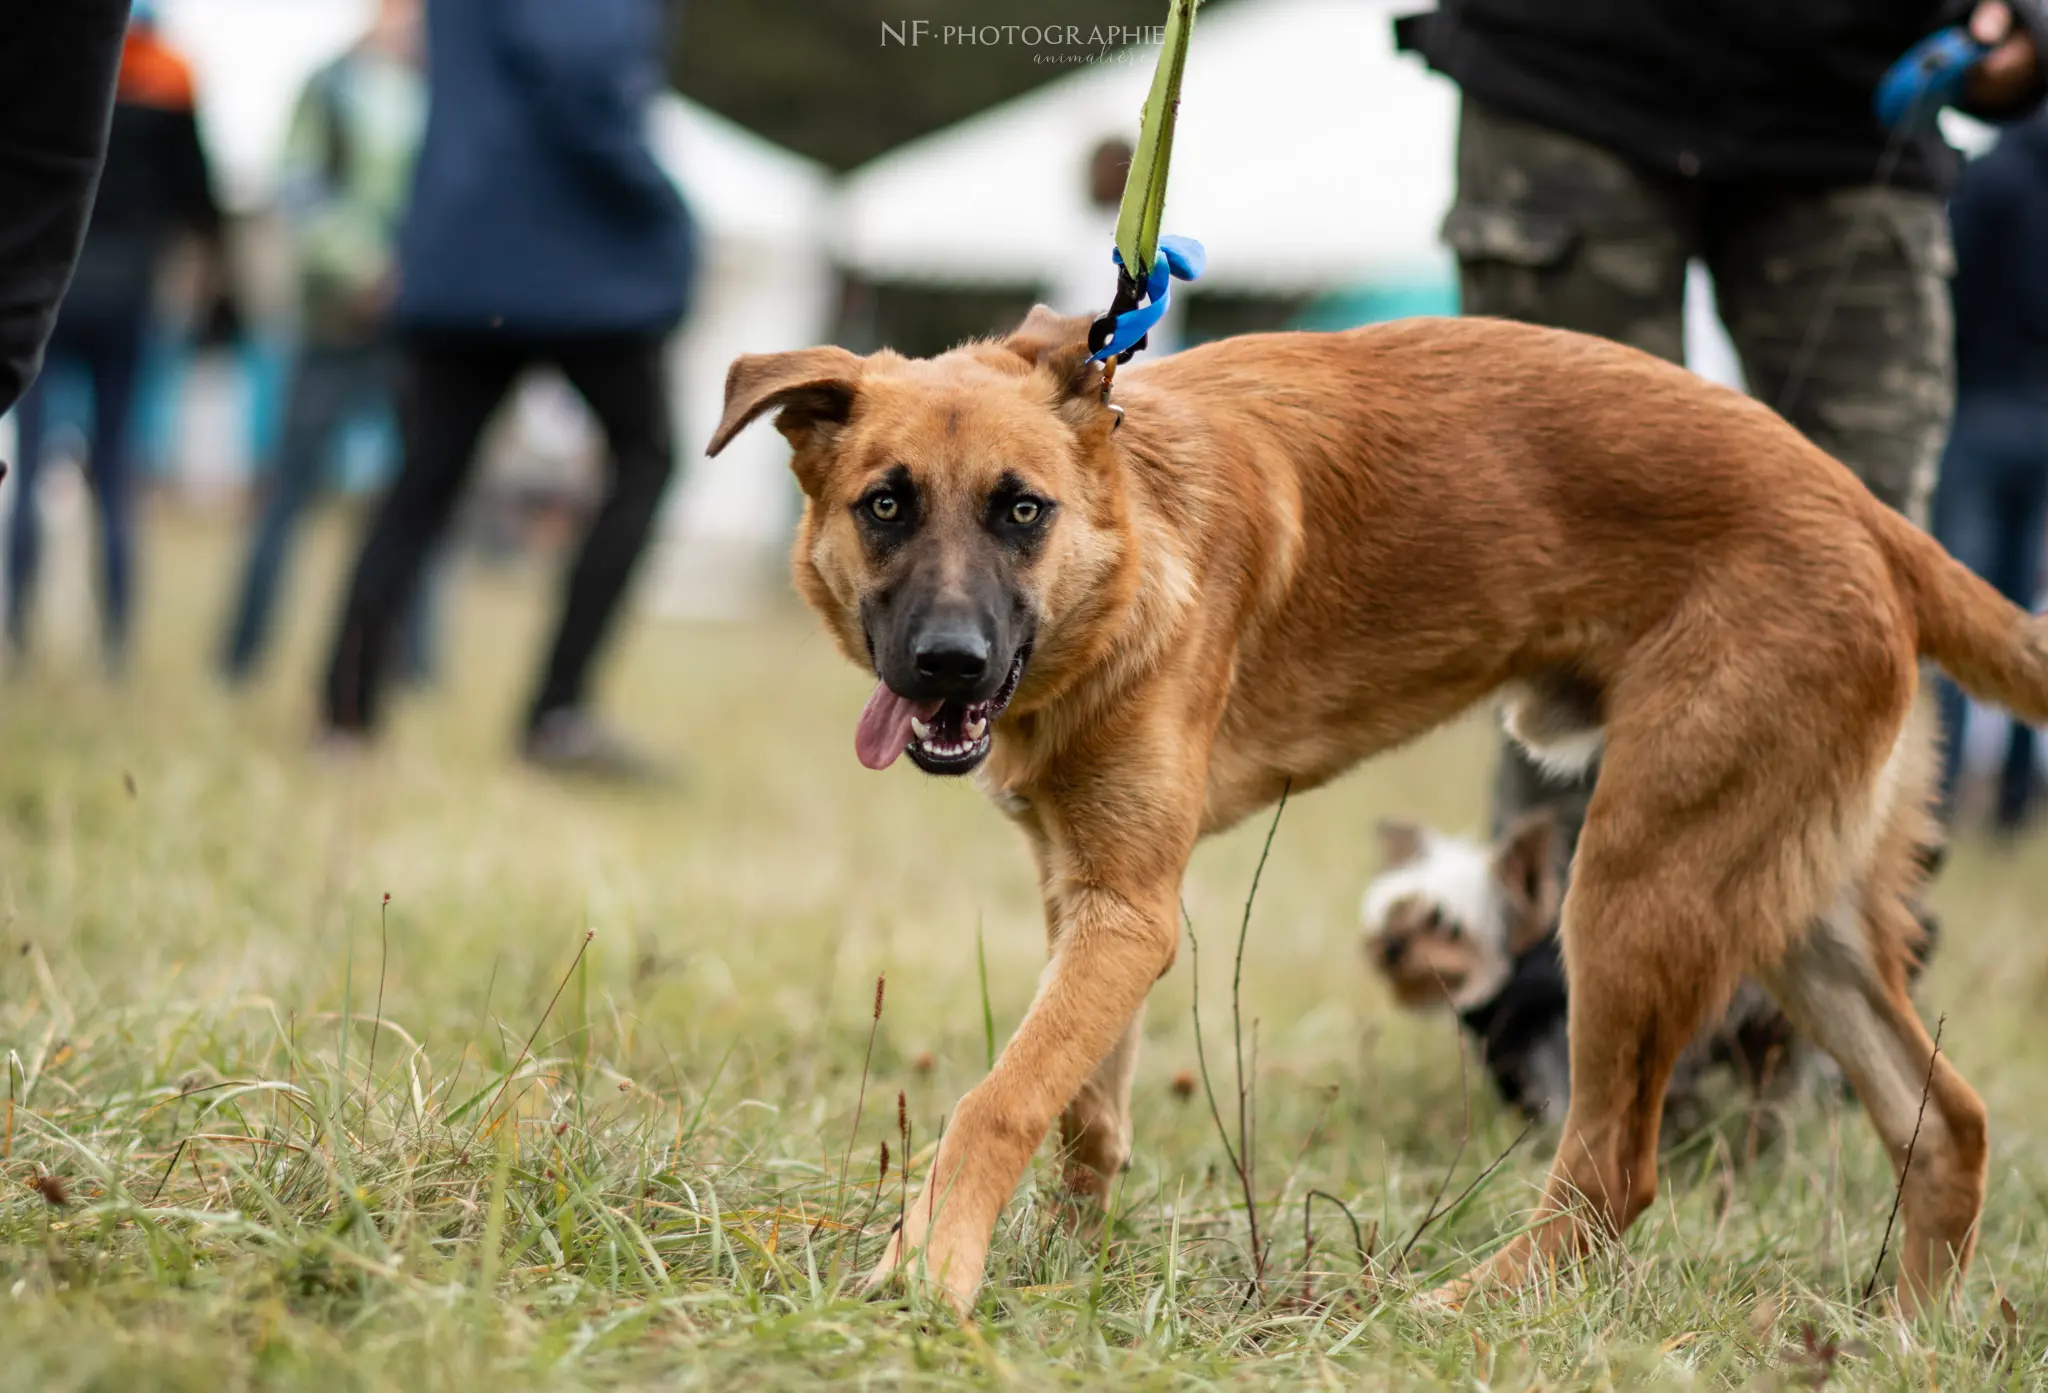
<point x="1137" y="218"/>
<point x="1148" y="262"/>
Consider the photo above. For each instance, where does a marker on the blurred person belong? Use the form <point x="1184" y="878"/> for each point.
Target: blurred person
<point x="58" y="68"/>
<point x="1603" y="147"/>
<point x="542" y="231"/>
<point x="1992" y="504"/>
<point x="155" y="184"/>
<point x="348" y="168"/>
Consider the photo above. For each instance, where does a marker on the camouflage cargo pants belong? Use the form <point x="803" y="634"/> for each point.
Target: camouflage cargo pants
<point x="1836" y="300"/>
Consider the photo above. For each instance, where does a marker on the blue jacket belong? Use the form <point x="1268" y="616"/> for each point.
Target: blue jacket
<point x="2000" y="218"/>
<point x="538" y="207"/>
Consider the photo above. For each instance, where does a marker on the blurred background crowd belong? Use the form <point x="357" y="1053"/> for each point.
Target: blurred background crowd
<point x="487" y="260"/>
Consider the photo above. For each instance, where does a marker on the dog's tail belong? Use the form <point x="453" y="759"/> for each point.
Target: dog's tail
<point x="1997" y="651"/>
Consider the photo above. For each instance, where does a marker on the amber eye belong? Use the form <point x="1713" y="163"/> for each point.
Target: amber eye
<point x="884" y="507"/>
<point x="1025" y="511"/>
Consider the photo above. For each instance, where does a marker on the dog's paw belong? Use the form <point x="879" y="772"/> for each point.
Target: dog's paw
<point x="1446" y="1300"/>
<point x="933" y="1269"/>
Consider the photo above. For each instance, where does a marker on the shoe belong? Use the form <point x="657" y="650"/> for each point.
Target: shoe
<point x="572" y="741"/>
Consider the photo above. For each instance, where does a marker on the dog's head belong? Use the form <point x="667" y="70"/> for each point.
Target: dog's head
<point x="961" y="518"/>
<point x="1445" y="918"/>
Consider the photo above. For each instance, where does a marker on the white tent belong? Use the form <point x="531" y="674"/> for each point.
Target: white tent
<point x="250" y="58"/>
<point x="765" y="285"/>
<point x="1309" y="155"/>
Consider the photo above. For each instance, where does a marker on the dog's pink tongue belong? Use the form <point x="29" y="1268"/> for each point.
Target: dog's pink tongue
<point x="884" y="728"/>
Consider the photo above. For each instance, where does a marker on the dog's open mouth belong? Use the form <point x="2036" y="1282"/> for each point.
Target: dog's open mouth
<point x="941" y="737"/>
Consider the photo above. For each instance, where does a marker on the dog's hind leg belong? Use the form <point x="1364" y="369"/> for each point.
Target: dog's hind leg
<point x="1720" y="827"/>
<point x="1647" y="966"/>
<point x="1835" y="986"/>
<point x="1095" y="1130"/>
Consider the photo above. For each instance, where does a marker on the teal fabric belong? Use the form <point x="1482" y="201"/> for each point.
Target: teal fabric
<point x="1374" y="304"/>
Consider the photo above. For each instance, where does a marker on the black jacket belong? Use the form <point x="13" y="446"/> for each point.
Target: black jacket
<point x="2000" y="217"/>
<point x="1705" y="89"/>
<point x="57" y="64"/>
<point x="155" y="185"/>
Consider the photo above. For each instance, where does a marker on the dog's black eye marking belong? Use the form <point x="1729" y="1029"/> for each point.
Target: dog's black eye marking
<point x="1435" y="920"/>
<point x="1015" y="513"/>
<point x="888" y="510"/>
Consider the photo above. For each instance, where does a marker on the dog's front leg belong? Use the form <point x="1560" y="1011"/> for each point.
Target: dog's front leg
<point x="1095" y="1130"/>
<point x="1112" y="945"/>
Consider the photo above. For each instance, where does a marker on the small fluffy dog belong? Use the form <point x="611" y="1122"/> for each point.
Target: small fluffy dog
<point x="1452" y="924"/>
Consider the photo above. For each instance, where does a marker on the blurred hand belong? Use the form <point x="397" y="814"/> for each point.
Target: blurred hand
<point x="2011" y="72"/>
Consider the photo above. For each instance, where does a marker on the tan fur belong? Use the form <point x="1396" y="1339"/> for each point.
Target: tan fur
<point x="1299" y="550"/>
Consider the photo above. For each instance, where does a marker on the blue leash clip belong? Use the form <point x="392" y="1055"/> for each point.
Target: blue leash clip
<point x="1931" y="75"/>
<point x="1138" y="308"/>
<point x="1913" y="90"/>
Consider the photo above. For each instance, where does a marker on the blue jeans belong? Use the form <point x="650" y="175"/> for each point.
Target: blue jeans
<point x="106" y="340"/>
<point x="330" y="383"/>
<point x="1990" y="510"/>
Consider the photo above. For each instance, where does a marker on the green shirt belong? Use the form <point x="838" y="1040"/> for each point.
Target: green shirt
<point x="347" y="175"/>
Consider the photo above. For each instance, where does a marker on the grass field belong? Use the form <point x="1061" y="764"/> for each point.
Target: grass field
<point x="302" y="1144"/>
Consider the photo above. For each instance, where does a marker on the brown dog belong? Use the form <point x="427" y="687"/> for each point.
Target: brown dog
<point x="1292" y="551"/>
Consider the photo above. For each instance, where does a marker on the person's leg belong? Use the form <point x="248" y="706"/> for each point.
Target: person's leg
<point x="1966" y="522"/>
<point x="1838" y="302"/>
<point x="325" y="380"/>
<point x="24" y="524"/>
<point x="422" y="622"/>
<point x="2020" y="442"/>
<point x="116" y="360"/>
<point x="624" y="382"/>
<point x="448" y="394"/>
<point x="1554" y="230"/>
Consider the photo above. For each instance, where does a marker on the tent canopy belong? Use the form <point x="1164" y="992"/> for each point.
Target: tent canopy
<point x="1309" y="155"/>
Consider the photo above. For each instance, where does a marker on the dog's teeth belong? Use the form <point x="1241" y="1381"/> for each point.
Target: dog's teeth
<point x="975" y="729"/>
<point x="920" y="729"/>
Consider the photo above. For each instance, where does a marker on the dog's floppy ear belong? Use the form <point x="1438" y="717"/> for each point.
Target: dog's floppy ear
<point x="1059" y="344"/>
<point x="814" y="387"/>
<point x="1400" y="842"/>
<point x="1525" y="868"/>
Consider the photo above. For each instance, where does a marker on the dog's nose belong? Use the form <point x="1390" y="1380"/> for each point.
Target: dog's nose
<point x="954" y="656"/>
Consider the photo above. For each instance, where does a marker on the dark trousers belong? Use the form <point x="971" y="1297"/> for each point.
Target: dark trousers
<point x="330" y="382"/>
<point x="450" y="388"/>
<point x="106" y="340"/>
<point x="1836" y="300"/>
<point x="1990" y="512"/>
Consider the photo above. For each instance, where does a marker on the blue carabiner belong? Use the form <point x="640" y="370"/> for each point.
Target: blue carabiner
<point x="1180" y="258"/>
